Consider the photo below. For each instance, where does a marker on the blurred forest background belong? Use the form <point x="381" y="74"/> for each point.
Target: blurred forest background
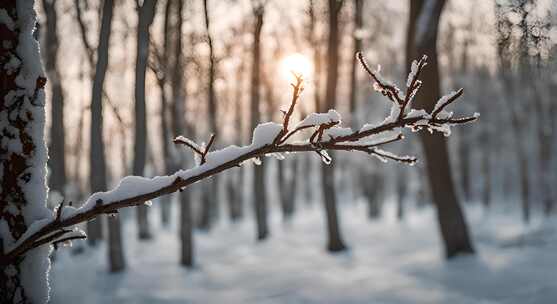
<point x="126" y="77"/>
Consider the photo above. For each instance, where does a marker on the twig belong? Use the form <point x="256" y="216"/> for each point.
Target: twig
<point x="195" y="147"/>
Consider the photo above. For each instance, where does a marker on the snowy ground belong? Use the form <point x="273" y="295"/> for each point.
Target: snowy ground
<point x="389" y="262"/>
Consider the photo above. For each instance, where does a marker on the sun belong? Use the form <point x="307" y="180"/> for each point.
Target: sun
<point x="296" y="63"/>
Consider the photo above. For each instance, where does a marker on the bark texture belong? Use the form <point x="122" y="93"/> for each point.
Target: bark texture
<point x="22" y="153"/>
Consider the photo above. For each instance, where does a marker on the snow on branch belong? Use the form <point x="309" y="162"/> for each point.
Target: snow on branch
<point x="269" y="139"/>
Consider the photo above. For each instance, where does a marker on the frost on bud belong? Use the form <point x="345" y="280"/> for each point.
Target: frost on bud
<point x="256" y="161"/>
<point x="148" y="203"/>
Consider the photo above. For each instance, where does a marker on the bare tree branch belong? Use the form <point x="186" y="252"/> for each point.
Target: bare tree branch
<point x="268" y="139"/>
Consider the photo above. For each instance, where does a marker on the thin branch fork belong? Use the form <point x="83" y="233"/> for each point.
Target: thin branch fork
<point x="56" y="230"/>
<point x="196" y="148"/>
<point x="387" y="90"/>
<point x="298" y="88"/>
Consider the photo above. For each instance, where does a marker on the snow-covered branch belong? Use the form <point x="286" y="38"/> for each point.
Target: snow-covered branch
<point x="269" y="139"/>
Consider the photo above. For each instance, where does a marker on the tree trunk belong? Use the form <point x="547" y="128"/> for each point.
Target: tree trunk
<point x="146" y="14"/>
<point x="516" y="112"/>
<point x="23" y="156"/>
<point x="546" y="152"/>
<point x="115" y="249"/>
<point x="98" y="178"/>
<point x="464" y="157"/>
<point x="236" y="183"/>
<point x="313" y="40"/>
<point x="186" y="227"/>
<point x="97" y="156"/>
<point x="260" y="198"/>
<point x="178" y="126"/>
<point x="57" y="148"/>
<point x="485" y="135"/>
<point x="402" y="192"/>
<point x="209" y="206"/>
<point x="287" y="186"/>
<point x="234" y="189"/>
<point x="486" y="172"/>
<point x="357" y="43"/>
<point x="373" y="191"/>
<point x="166" y="200"/>
<point x="422" y="39"/>
<point x="464" y="142"/>
<point x="335" y="242"/>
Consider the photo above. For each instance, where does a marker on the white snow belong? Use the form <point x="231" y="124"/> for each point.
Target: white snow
<point x="265" y="133"/>
<point x="412" y="74"/>
<point x="28" y="48"/>
<point x="336" y="132"/>
<point x="129" y="186"/>
<point x="443" y="100"/>
<point x="417" y="113"/>
<point x="389" y="262"/>
<point x="315" y="119"/>
<point x="132" y="186"/>
<point x="189" y="141"/>
<point x="35" y="270"/>
<point x="393" y="116"/>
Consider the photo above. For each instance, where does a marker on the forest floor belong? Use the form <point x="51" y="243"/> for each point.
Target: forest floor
<point x="388" y="262"/>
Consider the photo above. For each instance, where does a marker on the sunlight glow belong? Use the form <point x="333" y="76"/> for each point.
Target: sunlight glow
<point x="296" y="63"/>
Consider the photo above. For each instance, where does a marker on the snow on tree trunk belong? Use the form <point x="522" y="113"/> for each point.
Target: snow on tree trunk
<point x="23" y="154"/>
